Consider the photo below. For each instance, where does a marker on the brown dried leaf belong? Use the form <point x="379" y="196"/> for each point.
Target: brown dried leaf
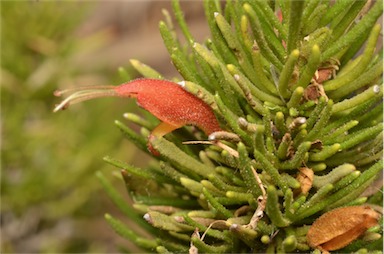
<point x="313" y="92"/>
<point x="323" y="75"/>
<point x="305" y="178"/>
<point x="339" y="227"/>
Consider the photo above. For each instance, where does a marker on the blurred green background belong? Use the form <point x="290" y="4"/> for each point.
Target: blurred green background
<point x="51" y="201"/>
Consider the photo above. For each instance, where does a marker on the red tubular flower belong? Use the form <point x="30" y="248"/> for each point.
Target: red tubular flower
<point x="166" y="100"/>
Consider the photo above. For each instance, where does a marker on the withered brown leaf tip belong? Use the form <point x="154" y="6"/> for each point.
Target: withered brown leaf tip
<point x="305" y="178"/>
<point x="339" y="227"/>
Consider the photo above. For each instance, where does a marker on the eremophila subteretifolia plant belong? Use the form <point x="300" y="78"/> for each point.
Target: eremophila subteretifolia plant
<point x="279" y="119"/>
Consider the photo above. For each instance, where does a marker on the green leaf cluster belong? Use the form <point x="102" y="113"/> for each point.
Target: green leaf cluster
<point x="287" y="78"/>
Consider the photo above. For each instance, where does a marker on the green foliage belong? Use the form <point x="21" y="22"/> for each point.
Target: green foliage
<point x="46" y="180"/>
<point x="296" y="95"/>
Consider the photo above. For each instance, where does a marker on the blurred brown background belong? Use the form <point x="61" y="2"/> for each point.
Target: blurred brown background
<point x="133" y="30"/>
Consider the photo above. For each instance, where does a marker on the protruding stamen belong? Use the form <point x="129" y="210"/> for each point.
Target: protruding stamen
<point x="59" y="93"/>
<point x="83" y="94"/>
